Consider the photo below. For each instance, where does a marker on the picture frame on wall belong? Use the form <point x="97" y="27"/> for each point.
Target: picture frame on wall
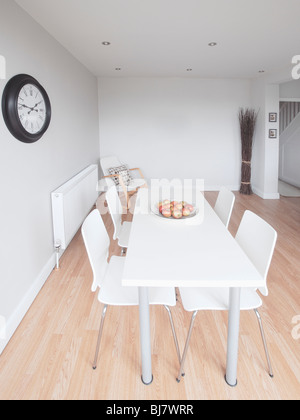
<point x="273" y="117"/>
<point x="272" y="134"/>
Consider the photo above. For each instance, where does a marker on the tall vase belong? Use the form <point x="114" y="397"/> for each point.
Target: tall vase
<point x="246" y="178"/>
<point x="247" y="118"/>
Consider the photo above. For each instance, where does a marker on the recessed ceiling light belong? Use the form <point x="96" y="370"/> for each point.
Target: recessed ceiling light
<point x="212" y="44"/>
<point x="105" y="43"/>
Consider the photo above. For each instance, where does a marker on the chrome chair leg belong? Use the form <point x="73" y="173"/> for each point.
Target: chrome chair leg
<point x="181" y="373"/>
<point x="99" y="337"/>
<point x="174" y="332"/>
<point x="264" y="342"/>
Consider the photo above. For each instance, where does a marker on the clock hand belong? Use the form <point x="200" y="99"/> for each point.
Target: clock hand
<point x="25" y="106"/>
<point x="32" y="109"/>
<point x="37" y="104"/>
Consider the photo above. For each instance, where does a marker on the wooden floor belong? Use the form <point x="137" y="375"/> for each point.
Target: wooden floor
<point x="50" y="355"/>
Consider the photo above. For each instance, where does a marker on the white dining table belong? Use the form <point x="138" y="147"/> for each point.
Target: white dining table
<point x="195" y="252"/>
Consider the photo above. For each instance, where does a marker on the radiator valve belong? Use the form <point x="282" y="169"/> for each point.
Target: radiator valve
<point x="57" y="246"/>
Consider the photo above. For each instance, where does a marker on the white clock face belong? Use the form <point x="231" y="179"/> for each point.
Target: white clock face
<point x="31" y="109"/>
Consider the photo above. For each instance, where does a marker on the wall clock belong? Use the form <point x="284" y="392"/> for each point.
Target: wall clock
<point x="26" y="108"/>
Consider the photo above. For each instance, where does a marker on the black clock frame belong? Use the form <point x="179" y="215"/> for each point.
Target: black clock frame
<point x="10" y="108"/>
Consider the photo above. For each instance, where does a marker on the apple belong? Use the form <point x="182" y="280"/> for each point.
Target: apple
<point x="166" y="212"/>
<point x="178" y="206"/>
<point x="186" y="212"/>
<point x="166" y="202"/>
<point x="190" y="207"/>
<point x="177" y="213"/>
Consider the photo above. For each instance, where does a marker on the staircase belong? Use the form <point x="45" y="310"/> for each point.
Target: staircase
<point x="289" y="143"/>
<point x="288" y="112"/>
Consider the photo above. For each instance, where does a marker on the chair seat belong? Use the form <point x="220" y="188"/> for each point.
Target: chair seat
<point x="113" y="293"/>
<point x="194" y="299"/>
<point x="123" y="237"/>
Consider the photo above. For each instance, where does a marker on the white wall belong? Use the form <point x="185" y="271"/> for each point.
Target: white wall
<point x="265" y="98"/>
<point x="271" y="145"/>
<point x="290" y="90"/>
<point x="29" y="172"/>
<point x="258" y="155"/>
<point x="174" y="128"/>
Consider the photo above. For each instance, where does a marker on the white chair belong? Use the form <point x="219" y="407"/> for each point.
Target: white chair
<point x="108" y="276"/>
<point x="224" y="205"/>
<point x="121" y="231"/>
<point x="257" y="238"/>
<point x="129" y="186"/>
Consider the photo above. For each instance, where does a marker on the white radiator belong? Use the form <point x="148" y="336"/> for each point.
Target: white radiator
<point x="71" y="203"/>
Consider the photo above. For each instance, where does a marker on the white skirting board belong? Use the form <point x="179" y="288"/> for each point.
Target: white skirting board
<point x="10" y="325"/>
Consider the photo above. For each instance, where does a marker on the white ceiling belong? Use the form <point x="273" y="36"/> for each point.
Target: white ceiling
<point x="166" y="37"/>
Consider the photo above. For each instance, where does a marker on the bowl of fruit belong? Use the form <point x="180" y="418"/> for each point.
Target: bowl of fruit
<point x="174" y="209"/>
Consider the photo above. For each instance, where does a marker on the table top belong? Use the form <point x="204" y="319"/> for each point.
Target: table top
<point x="196" y="252"/>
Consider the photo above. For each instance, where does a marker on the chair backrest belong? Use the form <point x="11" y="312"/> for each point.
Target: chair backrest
<point x="115" y="209"/>
<point x="257" y="238"/>
<point x="224" y="205"/>
<point x="107" y="162"/>
<point x="96" y="242"/>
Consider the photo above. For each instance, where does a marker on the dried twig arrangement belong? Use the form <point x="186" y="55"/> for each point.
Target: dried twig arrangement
<point x="247" y="118"/>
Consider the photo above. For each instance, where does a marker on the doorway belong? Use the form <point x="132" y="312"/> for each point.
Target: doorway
<point x="289" y="145"/>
